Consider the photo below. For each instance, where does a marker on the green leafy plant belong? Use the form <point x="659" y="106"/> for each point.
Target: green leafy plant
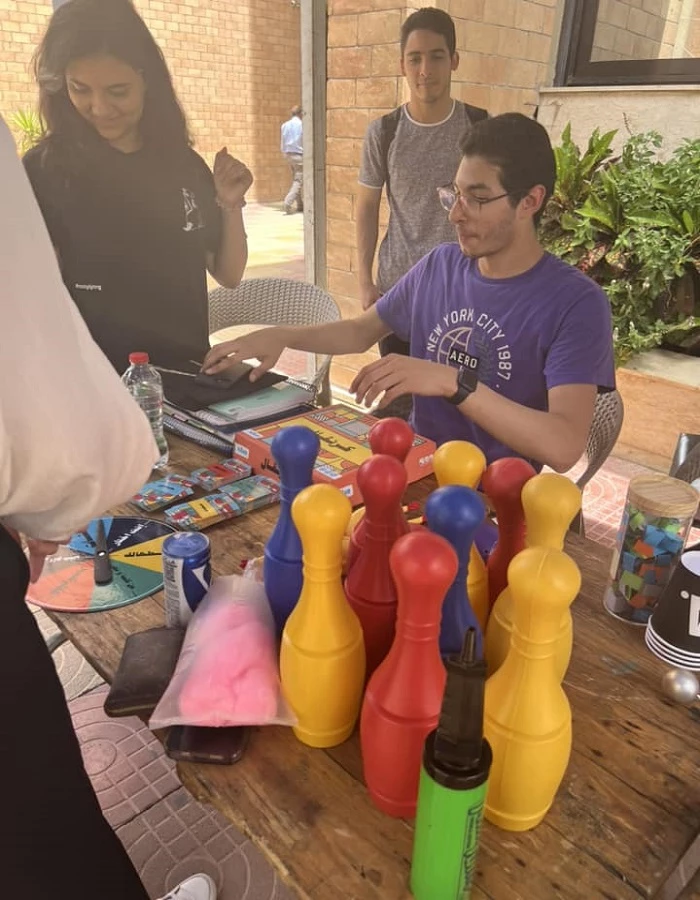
<point x="27" y="123"/>
<point x="632" y="223"/>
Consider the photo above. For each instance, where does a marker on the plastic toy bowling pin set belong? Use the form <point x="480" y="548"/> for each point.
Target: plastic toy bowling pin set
<point x="375" y="645"/>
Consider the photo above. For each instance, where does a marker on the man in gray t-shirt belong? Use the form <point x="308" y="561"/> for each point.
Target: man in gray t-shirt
<point x="422" y="156"/>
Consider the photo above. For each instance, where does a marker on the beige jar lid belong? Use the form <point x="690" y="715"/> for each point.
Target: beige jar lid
<point x="662" y="495"/>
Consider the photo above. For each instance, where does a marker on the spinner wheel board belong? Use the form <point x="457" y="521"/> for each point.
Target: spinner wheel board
<point x="67" y="583"/>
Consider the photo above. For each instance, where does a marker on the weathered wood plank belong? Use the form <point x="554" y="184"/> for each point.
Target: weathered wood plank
<point x="627" y="809"/>
<point x="314" y="816"/>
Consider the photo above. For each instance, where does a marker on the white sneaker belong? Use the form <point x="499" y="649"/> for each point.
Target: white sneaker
<point x="196" y="887"/>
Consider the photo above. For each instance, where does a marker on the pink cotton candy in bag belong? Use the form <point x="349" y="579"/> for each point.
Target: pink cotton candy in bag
<point x="237" y="671"/>
<point x="228" y="671"/>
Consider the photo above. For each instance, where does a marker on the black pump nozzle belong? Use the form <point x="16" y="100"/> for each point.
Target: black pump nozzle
<point x="458" y="742"/>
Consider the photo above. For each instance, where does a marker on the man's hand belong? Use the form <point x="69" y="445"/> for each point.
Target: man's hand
<point x="232" y="178"/>
<point x="396" y="375"/>
<point x="265" y="345"/>
<point x="369" y="294"/>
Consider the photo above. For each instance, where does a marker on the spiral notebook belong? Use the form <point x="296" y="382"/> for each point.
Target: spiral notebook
<point x="216" y="431"/>
<point x="197" y="433"/>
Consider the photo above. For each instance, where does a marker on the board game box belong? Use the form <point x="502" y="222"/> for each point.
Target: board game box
<point x="343" y="432"/>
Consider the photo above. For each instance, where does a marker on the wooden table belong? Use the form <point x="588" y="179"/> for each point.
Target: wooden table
<point x="628" y="808"/>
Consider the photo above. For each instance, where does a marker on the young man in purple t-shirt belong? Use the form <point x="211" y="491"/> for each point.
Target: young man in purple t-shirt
<point x="509" y="345"/>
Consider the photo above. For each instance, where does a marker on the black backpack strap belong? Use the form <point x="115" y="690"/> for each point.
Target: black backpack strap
<point x="473" y="114"/>
<point x="387" y="132"/>
<point x="390" y="122"/>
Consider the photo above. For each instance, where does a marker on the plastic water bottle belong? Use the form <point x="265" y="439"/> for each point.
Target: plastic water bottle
<point x="146" y="387"/>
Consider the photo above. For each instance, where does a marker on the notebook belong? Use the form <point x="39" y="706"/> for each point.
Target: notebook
<point x="212" y="430"/>
<point x="233" y="398"/>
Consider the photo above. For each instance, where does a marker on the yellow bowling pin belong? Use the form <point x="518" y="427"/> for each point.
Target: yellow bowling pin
<point x="459" y="462"/>
<point x="322" y="657"/>
<point x="527" y="717"/>
<point x="550" y="502"/>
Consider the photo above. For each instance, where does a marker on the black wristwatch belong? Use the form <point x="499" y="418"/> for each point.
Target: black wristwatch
<point x="467" y="382"/>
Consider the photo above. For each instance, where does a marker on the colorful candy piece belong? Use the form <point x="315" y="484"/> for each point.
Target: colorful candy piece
<point x="672" y="544"/>
<point x="629" y="579"/>
<point x="629" y="561"/>
<point x="641" y="548"/>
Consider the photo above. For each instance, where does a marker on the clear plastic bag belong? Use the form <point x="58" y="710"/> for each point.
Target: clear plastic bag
<point x="228" y="670"/>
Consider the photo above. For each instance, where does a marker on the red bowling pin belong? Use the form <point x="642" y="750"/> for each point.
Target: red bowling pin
<point x="392" y="437"/>
<point x="369" y="585"/>
<point x="403" y="698"/>
<point x="503" y="483"/>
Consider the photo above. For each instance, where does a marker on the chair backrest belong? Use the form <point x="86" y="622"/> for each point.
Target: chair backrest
<point x="689" y="469"/>
<point x="274" y="301"/>
<point x="605" y="430"/>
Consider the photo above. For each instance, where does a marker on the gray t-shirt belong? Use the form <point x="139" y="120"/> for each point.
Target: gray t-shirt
<point x="421" y="159"/>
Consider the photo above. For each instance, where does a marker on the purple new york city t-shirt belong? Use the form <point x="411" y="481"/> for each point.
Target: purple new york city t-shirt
<point x="548" y="327"/>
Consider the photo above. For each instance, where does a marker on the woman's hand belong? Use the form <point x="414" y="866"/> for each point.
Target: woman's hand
<point x="38" y="551"/>
<point x="232" y="178"/>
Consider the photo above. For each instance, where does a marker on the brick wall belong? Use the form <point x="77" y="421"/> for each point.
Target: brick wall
<point x="236" y="68"/>
<point x="22" y="23"/>
<point x="501" y="68"/>
<point x="635" y="29"/>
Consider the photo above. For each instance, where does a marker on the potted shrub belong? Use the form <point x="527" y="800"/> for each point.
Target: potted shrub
<point x="632" y="223"/>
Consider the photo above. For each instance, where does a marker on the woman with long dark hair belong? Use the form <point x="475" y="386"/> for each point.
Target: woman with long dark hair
<point x="135" y="215"/>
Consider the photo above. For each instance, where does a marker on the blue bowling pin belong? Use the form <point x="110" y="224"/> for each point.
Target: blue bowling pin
<point x="295" y="450"/>
<point x="456" y="513"/>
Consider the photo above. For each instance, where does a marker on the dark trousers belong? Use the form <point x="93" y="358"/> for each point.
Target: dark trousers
<point x="56" y="843"/>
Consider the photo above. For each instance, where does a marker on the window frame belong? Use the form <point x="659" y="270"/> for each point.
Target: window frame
<point x="575" y="69"/>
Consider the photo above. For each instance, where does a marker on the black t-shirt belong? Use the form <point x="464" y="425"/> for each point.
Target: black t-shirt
<point x="132" y="232"/>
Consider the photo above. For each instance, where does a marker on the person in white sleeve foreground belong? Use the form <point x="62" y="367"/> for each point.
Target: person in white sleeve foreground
<point x="72" y="444"/>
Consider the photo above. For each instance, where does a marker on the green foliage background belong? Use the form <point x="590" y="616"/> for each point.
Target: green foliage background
<point x="632" y="223"/>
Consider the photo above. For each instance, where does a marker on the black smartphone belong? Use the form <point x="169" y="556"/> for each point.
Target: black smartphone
<point x="194" y="743"/>
<point x="225" y="380"/>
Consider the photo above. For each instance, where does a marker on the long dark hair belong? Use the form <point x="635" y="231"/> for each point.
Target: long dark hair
<point x="84" y="28"/>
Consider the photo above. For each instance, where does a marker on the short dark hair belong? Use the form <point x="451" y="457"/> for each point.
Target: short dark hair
<point x="520" y="147"/>
<point x="430" y="19"/>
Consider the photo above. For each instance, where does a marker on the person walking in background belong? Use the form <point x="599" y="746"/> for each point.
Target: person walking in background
<point x="72" y="444"/>
<point x="410" y="153"/>
<point x="291" y="145"/>
<point x="135" y="215"/>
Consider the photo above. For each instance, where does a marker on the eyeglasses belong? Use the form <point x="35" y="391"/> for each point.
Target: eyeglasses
<point x="449" y="197"/>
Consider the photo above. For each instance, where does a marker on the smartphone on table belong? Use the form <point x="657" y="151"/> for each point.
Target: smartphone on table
<point x="194" y="743"/>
